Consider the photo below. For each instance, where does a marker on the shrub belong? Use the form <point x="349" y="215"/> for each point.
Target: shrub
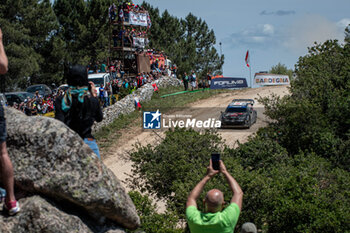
<point x="315" y="117"/>
<point x="306" y="195"/>
<point x="169" y="169"/>
<point x="294" y="173"/>
<point x="276" y="186"/>
<point x="259" y="152"/>
<point x="151" y="221"/>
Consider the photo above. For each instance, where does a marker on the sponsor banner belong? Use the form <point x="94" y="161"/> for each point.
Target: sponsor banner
<point x="270" y="79"/>
<point x="139" y="42"/>
<point x="139" y="19"/>
<point x="222" y="83"/>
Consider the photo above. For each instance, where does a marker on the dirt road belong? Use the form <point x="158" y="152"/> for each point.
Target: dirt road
<point x="116" y="158"/>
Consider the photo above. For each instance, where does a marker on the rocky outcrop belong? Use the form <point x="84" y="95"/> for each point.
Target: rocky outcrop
<point x="52" y="161"/>
<point x="127" y="104"/>
<point x="38" y="215"/>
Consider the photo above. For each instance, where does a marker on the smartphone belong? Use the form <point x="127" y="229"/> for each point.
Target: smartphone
<point x="215" y="158"/>
<point x="90" y="87"/>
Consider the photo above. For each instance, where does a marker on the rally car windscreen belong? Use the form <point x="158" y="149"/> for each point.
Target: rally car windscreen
<point x="236" y="110"/>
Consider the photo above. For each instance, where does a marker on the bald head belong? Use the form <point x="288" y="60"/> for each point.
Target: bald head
<point x="214" y="200"/>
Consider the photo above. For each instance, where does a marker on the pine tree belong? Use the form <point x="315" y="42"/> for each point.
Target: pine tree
<point x="281" y="69"/>
<point x="347" y="34"/>
<point x="188" y="42"/>
<point x="29" y="28"/>
<point x="71" y="15"/>
<point x="84" y="28"/>
<point x="206" y="57"/>
<point x="98" y="30"/>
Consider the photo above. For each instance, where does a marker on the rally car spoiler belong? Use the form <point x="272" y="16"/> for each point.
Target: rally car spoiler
<point x="249" y="101"/>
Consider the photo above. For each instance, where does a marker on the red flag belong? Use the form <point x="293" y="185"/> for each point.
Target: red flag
<point x="155" y="88"/>
<point x="247" y="58"/>
<point x="137" y="103"/>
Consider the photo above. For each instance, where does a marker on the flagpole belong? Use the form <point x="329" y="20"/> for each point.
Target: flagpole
<point x="250" y="76"/>
<point x="247" y="61"/>
<point x="222" y="66"/>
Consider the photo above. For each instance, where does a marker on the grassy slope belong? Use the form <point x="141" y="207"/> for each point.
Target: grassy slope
<point x="107" y="135"/>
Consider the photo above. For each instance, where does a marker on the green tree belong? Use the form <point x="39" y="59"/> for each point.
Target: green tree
<point x="281" y="69"/>
<point x="96" y="40"/>
<point x="315" y="116"/>
<point x="151" y="221"/>
<point x="84" y="28"/>
<point x="307" y="187"/>
<point x="205" y="57"/>
<point x="347" y="34"/>
<point x="169" y="164"/>
<point x="189" y="42"/>
<point x="46" y="43"/>
<point x="276" y="185"/>
<point x="29" y="29"/>
<point x="71" y="16"/>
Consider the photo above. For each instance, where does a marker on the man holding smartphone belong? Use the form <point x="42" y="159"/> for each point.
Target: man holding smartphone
<point x="214" y="218"/>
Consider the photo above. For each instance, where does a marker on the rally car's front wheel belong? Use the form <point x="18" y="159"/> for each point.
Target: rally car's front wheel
<point x="248" y="123"/>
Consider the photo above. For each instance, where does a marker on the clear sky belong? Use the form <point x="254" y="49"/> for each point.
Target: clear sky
<point x="273" y="30"/>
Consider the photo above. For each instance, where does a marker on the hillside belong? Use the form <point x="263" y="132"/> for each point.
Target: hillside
<point x="116" y="157"/>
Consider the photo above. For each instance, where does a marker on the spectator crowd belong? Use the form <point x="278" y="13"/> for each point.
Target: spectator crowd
<point x="191" y="81"/>
<point x="118" y="87"/>
<point x="138" y="21"/>
<point x="122" y="12"/>
<point x="37" y="105"/>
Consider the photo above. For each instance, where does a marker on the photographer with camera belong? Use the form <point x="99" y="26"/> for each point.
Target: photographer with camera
<point x="214" y="218"/>
<point x="79" y="108"/>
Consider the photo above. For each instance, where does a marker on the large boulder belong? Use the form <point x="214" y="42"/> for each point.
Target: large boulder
<point x="51" y="160"/>
<point x="37" y="215"/>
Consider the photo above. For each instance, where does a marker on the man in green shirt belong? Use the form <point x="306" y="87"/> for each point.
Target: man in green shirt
<point x="214" y="219"/>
